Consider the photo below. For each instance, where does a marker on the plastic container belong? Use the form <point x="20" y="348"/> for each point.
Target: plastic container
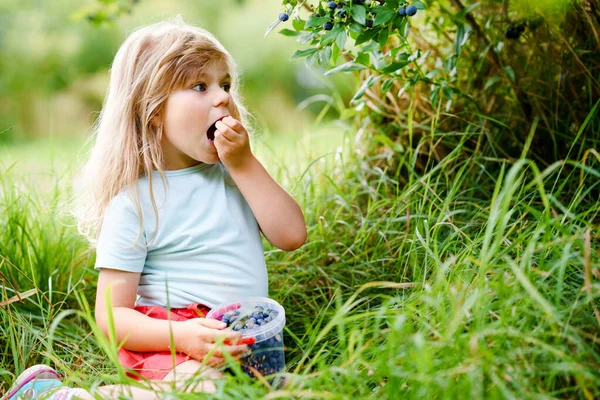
<point x="266" y="354"/>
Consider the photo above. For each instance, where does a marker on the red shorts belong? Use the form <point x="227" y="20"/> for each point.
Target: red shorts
<point x="155" y="365"/>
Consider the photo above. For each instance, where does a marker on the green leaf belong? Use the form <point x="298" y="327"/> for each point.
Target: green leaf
<point x="304" y="53"/>
<point x="383" y="37"/>
<point x="366" y="36"/>
<point x="404" y="27"/>
<point x="419" y="4"/>
<point x="335" y="53"/>
<point x="447" y="90"/>
<point x="402" y="56"/>
<point x="313" y="22"/>
<point x="363" y="88"/>
<point x="510" y="73"/>
<point x="397" y="24"/>
<point x="363" y="58"/>
<point x="310" y="60"/>
<point x="340" y="40"/>
<point x="491" y="82"/>
<point x="434" y="96"/>
<point x="393" y="3"/>
<point x="306" y="38"/>
<point x="384" y="15"/>
<point x="331" y="36"/>
<point x="393" y="67"/>
<point x="356" y="27"/>
<point x="387" y="85"/>
<point x="460" y="36"/>
<point x="467" y="10"/>
<point x="289" y="32"/>
<point x="325" y="55"/>
<point x="359" y="14"/>
<point x="432" y="74"/>
<point x="347" y="67"/>
<point x="298" y="24"/>
<point x="395" y="50"/>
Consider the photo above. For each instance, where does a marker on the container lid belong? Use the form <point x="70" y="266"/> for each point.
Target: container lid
<point x="246" y="307"/>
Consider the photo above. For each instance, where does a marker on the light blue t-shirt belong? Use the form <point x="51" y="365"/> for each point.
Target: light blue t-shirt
<point x="207" y="249"/>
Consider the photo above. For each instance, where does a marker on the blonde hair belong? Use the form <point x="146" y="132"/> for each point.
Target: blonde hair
<point x="152" y="62"/>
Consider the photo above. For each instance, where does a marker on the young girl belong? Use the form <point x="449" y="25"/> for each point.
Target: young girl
<point x="175" y="201"/>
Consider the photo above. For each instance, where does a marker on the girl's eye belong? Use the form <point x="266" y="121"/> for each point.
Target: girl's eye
<point x="202" y="87"/>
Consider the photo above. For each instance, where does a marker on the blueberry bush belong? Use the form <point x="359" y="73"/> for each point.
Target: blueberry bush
<point x="506" y="78"/>
<point x="510" y="77"/>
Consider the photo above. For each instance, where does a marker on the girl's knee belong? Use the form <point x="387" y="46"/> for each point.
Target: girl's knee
<point x="192" y="376"/>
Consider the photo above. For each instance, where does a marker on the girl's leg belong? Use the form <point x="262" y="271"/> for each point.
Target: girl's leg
<point x="178" y="377"/>
<point x="203" y="377"/>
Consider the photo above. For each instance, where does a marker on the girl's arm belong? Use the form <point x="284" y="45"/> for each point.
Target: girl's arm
<point x="139" y="332"/>
<point x="279" y="216"/>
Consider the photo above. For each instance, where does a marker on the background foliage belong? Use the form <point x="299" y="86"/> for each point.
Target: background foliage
<point x="454" y="240"/>
<point x="54" y="63"/>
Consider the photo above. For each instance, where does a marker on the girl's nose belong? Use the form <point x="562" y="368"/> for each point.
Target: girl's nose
<point x="221" y="98"/>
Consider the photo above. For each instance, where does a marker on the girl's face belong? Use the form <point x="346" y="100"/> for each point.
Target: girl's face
<point x="190" y="115"/>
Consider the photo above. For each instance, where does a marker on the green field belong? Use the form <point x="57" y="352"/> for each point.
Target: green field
<point x="449" y="173"/>
<point x="462" y="282"/>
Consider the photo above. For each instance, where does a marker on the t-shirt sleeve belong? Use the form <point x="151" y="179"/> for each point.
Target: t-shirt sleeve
<point x="117" y="247"/>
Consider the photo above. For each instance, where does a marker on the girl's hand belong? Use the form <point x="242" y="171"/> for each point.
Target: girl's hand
<point x="199" y="336"/>
<point x="232" y="143"/>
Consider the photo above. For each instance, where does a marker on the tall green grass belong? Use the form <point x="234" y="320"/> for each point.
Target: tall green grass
<point x="479" y="279"/>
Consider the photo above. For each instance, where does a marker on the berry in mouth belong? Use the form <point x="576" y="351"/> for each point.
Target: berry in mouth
<point x="211" y="132"/>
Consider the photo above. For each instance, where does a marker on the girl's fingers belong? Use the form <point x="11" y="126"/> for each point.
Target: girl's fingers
<point x="227" y="337"/>
<point x="234" y="124"/>
<point x="216" y="361"/>
<point x="234" y="351"/>
<point x="212" y="323"/>
<point x="225" y="131"/>
<point x="238" y="350"/>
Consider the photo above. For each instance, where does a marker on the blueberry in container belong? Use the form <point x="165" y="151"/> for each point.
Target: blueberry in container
<point x="263" y="320"/>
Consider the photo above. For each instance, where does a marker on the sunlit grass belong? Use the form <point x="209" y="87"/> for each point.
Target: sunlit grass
<point x="477" y="279"/>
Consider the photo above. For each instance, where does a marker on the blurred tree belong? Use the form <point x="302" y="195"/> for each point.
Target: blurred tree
<point x="54" y="58"/>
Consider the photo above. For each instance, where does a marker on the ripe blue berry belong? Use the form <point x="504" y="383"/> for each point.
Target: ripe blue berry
<point x="340" y="5"/>
<point x="331" y="5"/>
<point x="402" y="12"/>
<point x="369" y="23"/>
<point x="343" y="14"/>
<point x="283" y="17"/>
<point x="411" y="10"/>
<point x="328" y="26"/>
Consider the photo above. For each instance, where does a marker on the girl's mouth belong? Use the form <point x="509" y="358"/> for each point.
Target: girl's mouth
<point x="212" y="129"/>
<point x="211" y="132"/>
